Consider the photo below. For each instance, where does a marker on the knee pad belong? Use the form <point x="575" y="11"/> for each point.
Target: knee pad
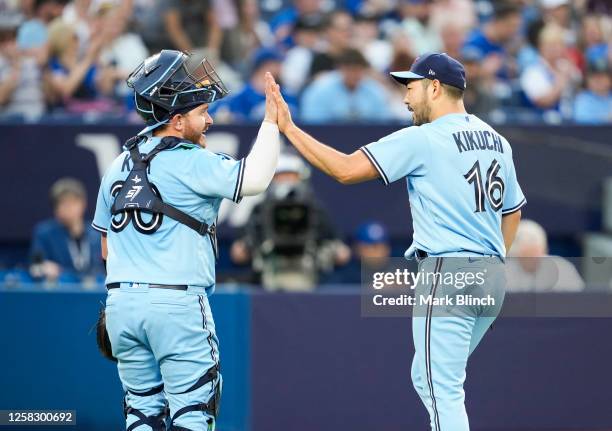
<point x="211" y="407"/>
<point x="156" y="422"/>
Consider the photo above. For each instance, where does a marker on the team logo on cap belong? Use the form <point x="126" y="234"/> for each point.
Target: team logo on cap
<point x="431" y="72"/>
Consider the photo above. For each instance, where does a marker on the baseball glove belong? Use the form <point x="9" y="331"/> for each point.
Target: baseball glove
<point x="104" y="344"/>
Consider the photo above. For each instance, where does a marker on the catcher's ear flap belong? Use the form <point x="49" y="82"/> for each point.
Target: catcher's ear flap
<point x="104" y="344"/>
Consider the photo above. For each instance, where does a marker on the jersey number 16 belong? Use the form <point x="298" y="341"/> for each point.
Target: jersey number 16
<point x="493" y="189"/>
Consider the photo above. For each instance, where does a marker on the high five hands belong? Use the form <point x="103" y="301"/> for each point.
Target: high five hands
<point x="271" y="114"/>
<point x="345" y="168"/>
<point x="277" y="110"/>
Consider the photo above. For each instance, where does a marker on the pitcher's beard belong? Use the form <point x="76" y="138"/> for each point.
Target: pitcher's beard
<point x="421" y="115"/>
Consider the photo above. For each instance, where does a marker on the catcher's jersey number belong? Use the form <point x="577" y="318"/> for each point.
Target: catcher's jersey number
<point x="121" y="220"/>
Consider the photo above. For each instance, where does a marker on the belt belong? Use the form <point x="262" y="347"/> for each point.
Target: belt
<point x="152" y="286"/>
<point x="421" y="254"/>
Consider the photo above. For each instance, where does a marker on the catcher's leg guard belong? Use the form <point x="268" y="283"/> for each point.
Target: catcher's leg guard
<point x="136" y="403"/>
<point x="184" y="419"/>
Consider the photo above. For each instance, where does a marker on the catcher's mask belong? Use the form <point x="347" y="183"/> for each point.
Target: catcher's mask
<point x="173" y="82"/>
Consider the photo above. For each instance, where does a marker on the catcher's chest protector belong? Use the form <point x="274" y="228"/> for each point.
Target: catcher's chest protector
<point x="138" y="194"/>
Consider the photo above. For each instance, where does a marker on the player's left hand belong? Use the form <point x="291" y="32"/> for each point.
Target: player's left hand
<point x="284" y="114"/>
<point x="271" y="108"/>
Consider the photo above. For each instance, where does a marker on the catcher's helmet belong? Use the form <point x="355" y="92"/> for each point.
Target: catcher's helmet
<point x="172" y="82"/>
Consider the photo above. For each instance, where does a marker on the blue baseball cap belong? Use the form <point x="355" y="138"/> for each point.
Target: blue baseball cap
<point x="372" y="233"/>
<point x="265" y="55"/>
<point x="440" y="66"/>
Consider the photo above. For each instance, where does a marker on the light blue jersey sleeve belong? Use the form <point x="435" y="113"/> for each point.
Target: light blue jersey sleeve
<point x="216" y="175"/>
<point x="514" y="198"/>
<point x="102" y="216"/>
<point x="405" y="152"/>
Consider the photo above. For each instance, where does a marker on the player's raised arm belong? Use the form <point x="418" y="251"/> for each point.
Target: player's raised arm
<point x="345" y="168"/>
<point x="261" y="162"/>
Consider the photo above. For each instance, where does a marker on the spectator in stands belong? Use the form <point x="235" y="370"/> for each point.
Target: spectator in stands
<point x="531" y="11"/>
<point x="77" y="14"/>
<point x="148" y="20"/>
<point x="298" y="60"/>
<point x="370" y="7"/>
<point x="24" y="7"/>
<point x="563" y="13"/>
<point x="528" y="52"/>
<point x="372" y="244"/>
<point x="479" y="96"/>
<point x="493" y="38"/>
<point x="249" y="104"/>
<point x="249" y="33"/>
<point x="282" y="24"/>
<point x="596" y="35"/>
<point x="550" y="83"/>
<point x="453" y="38"/>
<point x="594" y="105"/>
<point x="529" y="267"/>
<point x="192" y="26"/>
<point x="21" y="78"/>
<point x="79" y="83"/>
<point x="378" y="51"/>
<point x="253" y="23"/>
<point x="402" y="60"/>
<point x="560" y="13"/>
<point x="32" y="35"/>
<point x="371" y="252"/>
<point x="66" y="248"/>
<point x="348" y="94"/>
<point x="458" y="13"/>
<point x="338" y="37"/>
<point x="90" y="17"/>
<point x="123" y="50"/>
<point x="416" y="24"/>
<point x="227" y="15"/>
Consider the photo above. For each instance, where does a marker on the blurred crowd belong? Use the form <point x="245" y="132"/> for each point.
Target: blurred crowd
<point x="526" y="60"/>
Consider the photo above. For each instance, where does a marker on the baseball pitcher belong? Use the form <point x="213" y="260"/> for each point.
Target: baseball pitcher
<point x="465" y="203"/>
